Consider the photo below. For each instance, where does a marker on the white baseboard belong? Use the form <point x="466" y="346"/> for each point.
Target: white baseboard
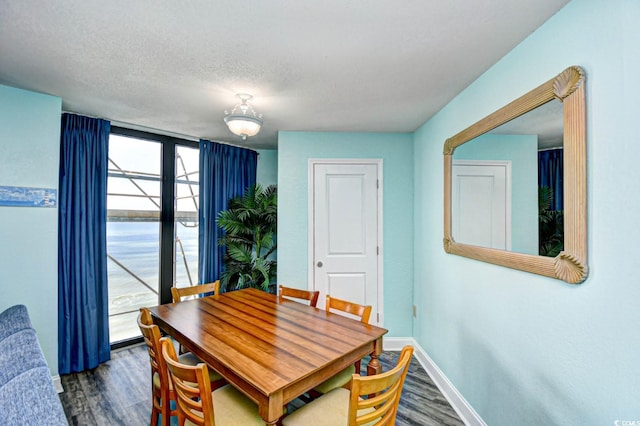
<point x="465" y="411"/>
<point x="57" y="383"/>
<point x="396" y="344"/>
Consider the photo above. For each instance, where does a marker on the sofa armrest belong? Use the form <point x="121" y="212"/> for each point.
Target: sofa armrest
<point x="13" y="320"/>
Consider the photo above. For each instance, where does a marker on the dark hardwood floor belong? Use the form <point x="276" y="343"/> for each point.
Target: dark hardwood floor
<point x="118" y="393"/>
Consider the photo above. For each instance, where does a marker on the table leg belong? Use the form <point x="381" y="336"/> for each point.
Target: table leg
<point x="374" y="366"/>
<point x="273" y="411"/>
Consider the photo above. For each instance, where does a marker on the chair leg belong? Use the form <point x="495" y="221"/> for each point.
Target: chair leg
<point x="156" y="408"/>
<point x="313" y="394"/>
<point x="166" y="411"/>
<point x="154" y="416"/>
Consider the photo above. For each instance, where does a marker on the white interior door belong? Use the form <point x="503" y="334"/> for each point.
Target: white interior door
<point x="481" y="203"/>
<point x="344" y="225"/>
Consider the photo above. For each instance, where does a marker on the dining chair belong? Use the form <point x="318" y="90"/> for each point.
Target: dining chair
<point x="363" y="312"/>
<point x="295" y="293"/>
<point x="179" y="293"/>
<point x="372" y="400"/>
<point x="161" y="387"/>
<point x="343" y="378"/>
<point x="161" y="392"/>
<point x="195" y="398"/>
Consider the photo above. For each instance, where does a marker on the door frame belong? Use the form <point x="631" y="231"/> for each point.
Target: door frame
<point x="377" y="318"/>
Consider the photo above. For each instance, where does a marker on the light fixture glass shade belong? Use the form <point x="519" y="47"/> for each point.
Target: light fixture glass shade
<point x="243" y="125"/>
<point x="243" y="120"/>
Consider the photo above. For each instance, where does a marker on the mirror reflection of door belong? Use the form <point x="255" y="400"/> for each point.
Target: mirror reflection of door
<point x="481" y="203"/>
<point x="522" y="151"/>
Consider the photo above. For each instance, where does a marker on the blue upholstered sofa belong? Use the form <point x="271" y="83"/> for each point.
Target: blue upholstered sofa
<point x="27" y="394"/>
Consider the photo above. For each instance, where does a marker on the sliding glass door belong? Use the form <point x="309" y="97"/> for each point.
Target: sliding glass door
<point x="152" y="223"/>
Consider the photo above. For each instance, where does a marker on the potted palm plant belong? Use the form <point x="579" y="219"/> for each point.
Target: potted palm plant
<point x="249" y="226"/>
<point x="550" y="224"/>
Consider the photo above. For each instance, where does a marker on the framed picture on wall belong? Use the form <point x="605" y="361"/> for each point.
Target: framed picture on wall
<point x="20" y="196"/>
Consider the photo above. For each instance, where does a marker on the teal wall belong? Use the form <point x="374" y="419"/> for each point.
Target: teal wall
<point x="267" y="171"/>
<point x="29" y="152"/>
<point x="294" y="151"/>
<point x="521" y="348"/>
<point x="522" y="152"/>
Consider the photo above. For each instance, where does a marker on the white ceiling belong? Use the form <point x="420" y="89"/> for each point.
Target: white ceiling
<point x="331" y="65"/>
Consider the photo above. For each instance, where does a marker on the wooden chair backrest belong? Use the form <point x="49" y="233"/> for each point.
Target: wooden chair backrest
<point x="151" y="335"/>
<point x="179" y="293"/>
<point x="361" y="311"/>
<point x="191" y="386"/>
<point x="384" y="392"/>
<point x="311" y="296"/>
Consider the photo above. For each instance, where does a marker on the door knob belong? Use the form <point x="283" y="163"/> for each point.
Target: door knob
<point x="319" y="264"/>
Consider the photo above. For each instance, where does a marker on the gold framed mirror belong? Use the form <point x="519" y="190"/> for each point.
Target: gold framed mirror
<point x="570" y="264"/>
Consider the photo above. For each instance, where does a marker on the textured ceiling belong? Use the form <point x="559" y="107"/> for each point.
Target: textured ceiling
<point x="331" y="65"/>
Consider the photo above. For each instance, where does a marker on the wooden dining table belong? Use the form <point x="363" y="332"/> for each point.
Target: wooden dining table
<point x="272" y="349"/>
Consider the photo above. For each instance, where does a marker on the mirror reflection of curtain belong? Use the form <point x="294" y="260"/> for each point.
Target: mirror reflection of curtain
<point x="550" y="172"/>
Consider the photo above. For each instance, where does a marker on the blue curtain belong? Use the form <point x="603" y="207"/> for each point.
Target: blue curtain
<point x="550" y="172"/>
<point x="83" y="315"/>
<point x="225" y="172"/>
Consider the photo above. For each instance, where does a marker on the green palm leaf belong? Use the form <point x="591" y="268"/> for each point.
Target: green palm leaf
<point x="249" y="228"/>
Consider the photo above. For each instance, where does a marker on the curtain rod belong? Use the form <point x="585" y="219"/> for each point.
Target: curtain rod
<point x="158" y="131"/>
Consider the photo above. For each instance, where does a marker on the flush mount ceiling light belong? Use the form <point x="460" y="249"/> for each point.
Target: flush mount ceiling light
<point x="243" y="120"/>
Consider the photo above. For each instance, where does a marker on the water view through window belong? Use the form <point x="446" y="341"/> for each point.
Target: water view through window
<point x="134" y="228"/>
